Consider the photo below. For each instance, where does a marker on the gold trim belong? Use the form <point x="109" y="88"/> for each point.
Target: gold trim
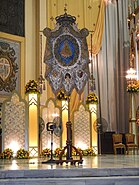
<point x="21" y="41"/>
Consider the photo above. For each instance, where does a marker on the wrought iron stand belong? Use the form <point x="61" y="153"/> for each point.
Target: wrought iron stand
<point x="69" y="145"/>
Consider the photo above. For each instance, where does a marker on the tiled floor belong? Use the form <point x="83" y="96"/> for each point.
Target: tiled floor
<point x="100" y="161"/>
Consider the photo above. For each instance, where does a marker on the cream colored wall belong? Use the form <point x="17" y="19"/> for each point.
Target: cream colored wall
<point x="35" y="21"/>
<point x="30" y="40"/>
<point x="31" y="66"/>
<point x="43" y="18"/>
<point x="43" y="24"/>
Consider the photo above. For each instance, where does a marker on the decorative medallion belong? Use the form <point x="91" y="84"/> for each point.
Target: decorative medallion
<point x="66" y="50"/>
<point x="66" y="55"/>
<point x="8" y="68"/>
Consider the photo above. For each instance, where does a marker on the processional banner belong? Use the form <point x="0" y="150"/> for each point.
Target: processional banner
<point x="66" y="55"/>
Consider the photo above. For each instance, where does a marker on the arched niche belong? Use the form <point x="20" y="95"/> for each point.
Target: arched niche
<point x="48" y="112"/>
<point x="82" y="127"/>
<point x="15" y="123"/>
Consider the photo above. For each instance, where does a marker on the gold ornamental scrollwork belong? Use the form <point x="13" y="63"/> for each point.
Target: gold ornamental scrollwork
<point x="8" y="68"/>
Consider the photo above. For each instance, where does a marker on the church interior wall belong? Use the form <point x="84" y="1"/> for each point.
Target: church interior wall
<point x="113" y="62"/>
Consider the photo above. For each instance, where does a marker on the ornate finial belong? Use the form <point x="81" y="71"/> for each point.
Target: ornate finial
<point x="65" y="19"/>
<point x="89" y="7"/>
<point x="132" y="51"/>
<point x="65" y="9"/>
<point x="51" y="18"/>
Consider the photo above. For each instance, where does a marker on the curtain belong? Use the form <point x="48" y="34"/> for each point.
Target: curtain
<point x="98" y="33"/>
<point x="111" y="65"/>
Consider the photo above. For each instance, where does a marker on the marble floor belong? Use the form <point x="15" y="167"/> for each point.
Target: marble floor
<point x="95" y="170"/>
<point x="99" y="161"/>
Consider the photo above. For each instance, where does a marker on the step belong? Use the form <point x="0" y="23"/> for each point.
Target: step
<point x="129" y="180"/>
<point x="71" y="172"/>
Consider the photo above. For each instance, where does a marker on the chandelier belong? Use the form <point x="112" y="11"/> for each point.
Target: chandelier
<point x="131" y="73"/>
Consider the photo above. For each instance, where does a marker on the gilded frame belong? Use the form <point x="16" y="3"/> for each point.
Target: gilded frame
<point x="17" y="45"/>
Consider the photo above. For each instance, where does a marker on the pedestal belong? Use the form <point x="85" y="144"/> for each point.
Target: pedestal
<point x="132" y="123"/>
<point x="94" y="134"/>
<point x="33" y="125"/>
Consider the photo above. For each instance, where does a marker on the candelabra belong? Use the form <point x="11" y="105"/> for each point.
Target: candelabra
<point x="131" y="88"/>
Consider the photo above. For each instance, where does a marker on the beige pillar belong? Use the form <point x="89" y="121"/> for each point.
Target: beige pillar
<point x="31" y="40"/>
<point x="64" y="121"/>
<point x="93" y="139"/>
<point x="33" y="125"/>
